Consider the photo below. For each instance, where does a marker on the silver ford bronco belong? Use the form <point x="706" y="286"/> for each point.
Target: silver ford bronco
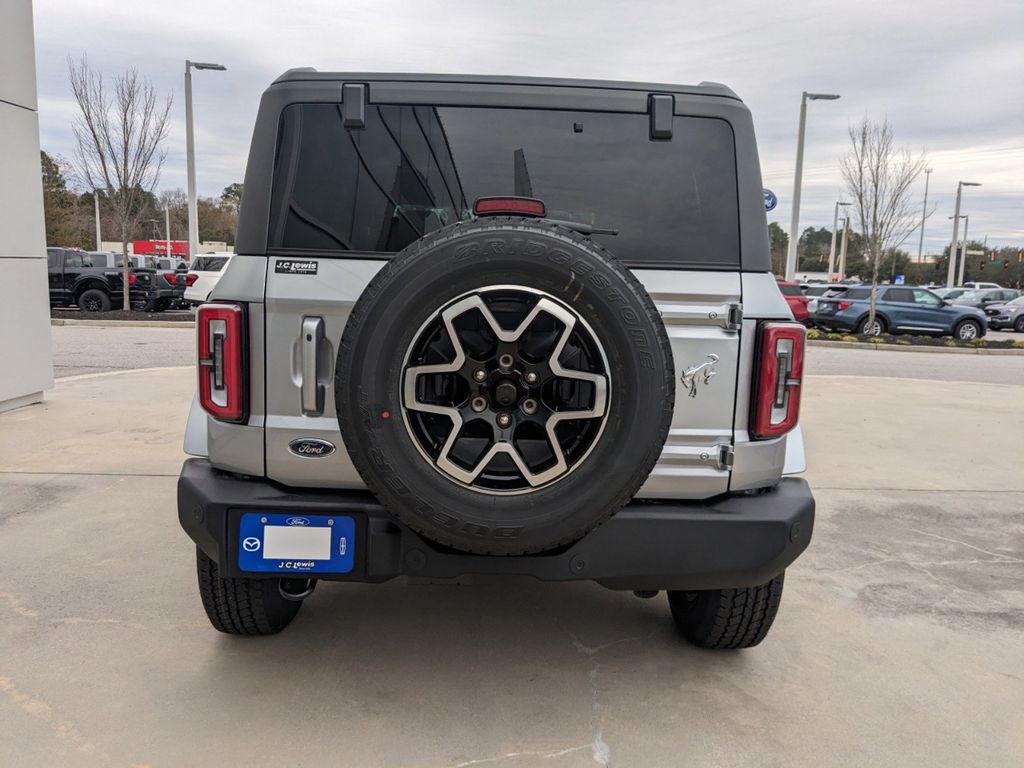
<point x="495" y="325"/>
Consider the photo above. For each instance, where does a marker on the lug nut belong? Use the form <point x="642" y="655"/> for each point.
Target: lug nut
<point x="531" y="377"/>
<point x="478" y="404"/>
<point x="505" y="361"/>
<point x="529" y="406"/>
<point x="504" y="420"/>
<point x="479" y="374"/>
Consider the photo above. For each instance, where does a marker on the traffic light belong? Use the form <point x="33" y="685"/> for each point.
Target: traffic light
<point x="1006" y="263"/>
<point x="981" y="264"/>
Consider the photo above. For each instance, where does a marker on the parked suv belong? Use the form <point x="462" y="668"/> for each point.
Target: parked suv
<point x="797" y="301"/>
<point x="483" y="325"/>
<point x="203" y="274"/>
<point x="984" y="297"/>
<point x="899" y="309"/>
<point x="1008" y="315"/>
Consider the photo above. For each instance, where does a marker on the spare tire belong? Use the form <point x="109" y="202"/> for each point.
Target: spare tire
<point x="504" y="386"/>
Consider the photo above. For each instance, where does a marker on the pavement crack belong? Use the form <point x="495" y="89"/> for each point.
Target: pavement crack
<point x="540" y="754"/>
<point x="63" y="730"/>
<point x="1005" y="558"/>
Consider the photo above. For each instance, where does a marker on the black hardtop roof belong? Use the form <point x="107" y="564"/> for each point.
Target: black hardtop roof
<point x="305" y="74"/>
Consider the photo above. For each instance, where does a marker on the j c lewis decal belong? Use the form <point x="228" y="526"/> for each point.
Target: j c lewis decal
<point x="295" y="267"/>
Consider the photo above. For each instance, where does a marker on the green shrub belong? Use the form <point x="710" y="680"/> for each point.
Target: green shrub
<point x="847" y="338"/>
<point x="813" y="333"/>
<point x="904" y="342"/>
<point x="878" y="340"/>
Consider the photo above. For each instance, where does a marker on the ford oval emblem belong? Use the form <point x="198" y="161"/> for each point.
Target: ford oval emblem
<point x="770" y="200"/>
<point x="311" y="447"/>
<point x="297" y="521"/>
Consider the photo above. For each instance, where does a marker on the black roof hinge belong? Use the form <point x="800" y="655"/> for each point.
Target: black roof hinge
<point x="661" y="106"/>
<point x="353" y="105"/>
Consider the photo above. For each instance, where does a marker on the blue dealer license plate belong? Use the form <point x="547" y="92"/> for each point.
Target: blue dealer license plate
<point x="276" y="543"/>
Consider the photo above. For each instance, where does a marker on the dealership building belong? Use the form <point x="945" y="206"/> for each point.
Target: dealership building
<point x="26" y="357"/>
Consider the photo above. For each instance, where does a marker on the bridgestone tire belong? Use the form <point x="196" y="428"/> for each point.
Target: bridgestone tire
<point x="461" y="259"/>
<point x="242" y="606"/>
<point x="94" y="300"/>
<point x="727" y="619"/>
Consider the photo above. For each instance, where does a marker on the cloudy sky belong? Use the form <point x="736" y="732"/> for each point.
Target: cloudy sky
<point x="948" y="75"/>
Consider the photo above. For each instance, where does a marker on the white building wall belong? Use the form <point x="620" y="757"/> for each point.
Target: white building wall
<point x="26" y="358"/>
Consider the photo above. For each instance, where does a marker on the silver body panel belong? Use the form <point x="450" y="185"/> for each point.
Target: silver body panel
<point x="708" y="450"/>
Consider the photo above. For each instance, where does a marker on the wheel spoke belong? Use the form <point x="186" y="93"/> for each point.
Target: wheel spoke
<point x="502" y="439"/>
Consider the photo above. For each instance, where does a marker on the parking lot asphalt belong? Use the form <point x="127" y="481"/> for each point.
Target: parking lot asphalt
<point x="900" y="640"/>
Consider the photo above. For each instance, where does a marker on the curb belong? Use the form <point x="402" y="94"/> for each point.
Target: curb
<point x="912" y="348"/>
<point x="58" y="321"/>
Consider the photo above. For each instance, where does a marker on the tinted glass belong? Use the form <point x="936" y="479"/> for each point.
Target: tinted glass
<point x="52" y="258"/>
<point x="857" y="293"/>
<point x="900" y="295"/>
<point x="72" y="259"/>
<point x="412" y="170"/>
<point x="791" y="290"/>
<point x="926" y="298"/>
<point x="209" y="263"/>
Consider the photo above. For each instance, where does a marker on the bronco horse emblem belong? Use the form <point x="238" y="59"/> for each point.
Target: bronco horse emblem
<point x="692" y="375"/>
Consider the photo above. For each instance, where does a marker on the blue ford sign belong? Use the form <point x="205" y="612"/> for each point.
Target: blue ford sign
<point x="770" y="200"/>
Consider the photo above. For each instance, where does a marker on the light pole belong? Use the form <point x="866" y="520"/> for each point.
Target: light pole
<point x="96" y="201"/>
<point x="167" y="226"/>
<point x="190" y="153"/>
<point x="842" y="249"/>
<point x="832" y="248"/>
<point x="963" y="253"/>
<point x="794" y="234"/>
<point x="956" y="231"/>
<point x="924" y="215"/>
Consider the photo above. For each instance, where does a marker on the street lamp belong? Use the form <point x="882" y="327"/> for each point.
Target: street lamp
<point x="924" y="214"/>
<point x="96" y="205"/>
<point x="842" y="249"/>
<point x="832" y="248"/>
<point x="956" y="231"/>
<point x="190" y="153"/>
<point x="795" y="221"/>
<point x="963" y="252"/>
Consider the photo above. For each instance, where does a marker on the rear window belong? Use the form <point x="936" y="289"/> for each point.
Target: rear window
<point x="412" y="170"/>
<point x="790" y="290"/>
<point x="209" y="263"/>
<point x="857" y="293"/>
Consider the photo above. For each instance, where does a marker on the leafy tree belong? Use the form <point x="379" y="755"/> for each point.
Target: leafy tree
<point x="778" y="241"/>
<point x="232" y="195"/>
<point x="65" y="222"/>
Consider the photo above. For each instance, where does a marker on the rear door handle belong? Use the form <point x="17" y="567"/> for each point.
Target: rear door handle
<point x="312" y="389"/>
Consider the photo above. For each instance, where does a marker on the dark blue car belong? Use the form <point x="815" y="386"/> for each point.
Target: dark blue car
<point x="900" y="309"/>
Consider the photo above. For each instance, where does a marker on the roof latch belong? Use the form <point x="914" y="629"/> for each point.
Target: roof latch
<point x="661" y="106"/>
<point x="353" y="105"/>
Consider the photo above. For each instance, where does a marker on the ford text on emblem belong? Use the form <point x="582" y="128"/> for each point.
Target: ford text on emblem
<point x="297" y="521"/>
<point x="311" y="447"/>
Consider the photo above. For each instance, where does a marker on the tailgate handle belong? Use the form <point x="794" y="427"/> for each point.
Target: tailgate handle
<point x="312" y="389"/>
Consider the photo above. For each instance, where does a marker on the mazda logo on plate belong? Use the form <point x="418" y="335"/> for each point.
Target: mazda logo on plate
<point x="311" y="447"/>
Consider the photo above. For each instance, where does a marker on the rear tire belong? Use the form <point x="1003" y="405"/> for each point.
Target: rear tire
<point x="727" y="619"/>
<point x="1019" y="325"/>
<point x="877" y="329"/>
<point x="243" y="606"/>
<point x="94" y="300"/>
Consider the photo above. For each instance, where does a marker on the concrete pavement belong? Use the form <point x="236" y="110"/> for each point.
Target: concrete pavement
<point x="900" y="640"/>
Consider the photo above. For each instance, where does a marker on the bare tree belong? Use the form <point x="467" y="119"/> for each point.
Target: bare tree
<point x="119" y="140"/>
<point x="878" y="176"/>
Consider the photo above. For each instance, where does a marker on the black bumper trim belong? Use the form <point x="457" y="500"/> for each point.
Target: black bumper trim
<point x="729" y="541"/>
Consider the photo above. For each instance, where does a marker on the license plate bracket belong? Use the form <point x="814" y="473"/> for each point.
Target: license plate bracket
<point x="296" y="543"/>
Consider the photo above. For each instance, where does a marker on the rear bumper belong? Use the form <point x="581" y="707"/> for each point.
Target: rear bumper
<point x="730" y="541"/>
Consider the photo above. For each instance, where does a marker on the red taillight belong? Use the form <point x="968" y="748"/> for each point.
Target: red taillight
<point x="131" y="278"/>
<point x="776" y="407"/>
<point x="190" y="278"/>
<point x="221" y="329"/>
<point x="512" y="206"/>
<point x="844" y="305"/>
<point x="171" y="277"/>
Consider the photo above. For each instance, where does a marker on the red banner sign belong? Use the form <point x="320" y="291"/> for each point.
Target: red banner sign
<point x="159" y="247"/>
